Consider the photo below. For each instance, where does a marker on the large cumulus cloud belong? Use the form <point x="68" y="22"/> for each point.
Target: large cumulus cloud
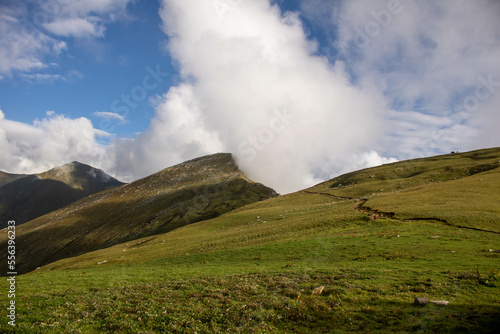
<point x="393" y="79"/>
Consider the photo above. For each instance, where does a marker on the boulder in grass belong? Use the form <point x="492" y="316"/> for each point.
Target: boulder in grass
<point x="421" y="301"/>
<point x="440" y="302"/>
<point x="318" y="290"/>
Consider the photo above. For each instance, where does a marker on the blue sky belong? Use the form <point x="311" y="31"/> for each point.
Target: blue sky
<point x="314" y="87"/>
<point x="98" y="71"/>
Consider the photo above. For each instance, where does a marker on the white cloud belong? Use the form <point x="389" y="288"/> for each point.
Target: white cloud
<point x="30" y="35"/>
<point x="289" y="116"/>
<point x="40" y="78"/>
<point x="179" y="132"/>
<point x="110" y="115"/>
<point x="85" y="18"/>
<point x="49" y="142"/>
<point x="101" y="7"/>
<point x="22" y="46"/>
<point x="433" y="48"/>
<point x="76" y="27"/>
<point x="252" y="85"/>
<point x="427" y="57"/>
<point x="487" y="120"/>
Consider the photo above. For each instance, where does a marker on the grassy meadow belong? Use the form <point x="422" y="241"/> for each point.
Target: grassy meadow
<point x="253" y="270"/>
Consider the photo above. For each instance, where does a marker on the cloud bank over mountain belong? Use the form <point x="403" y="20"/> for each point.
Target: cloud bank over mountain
<point x="390" y="79"/>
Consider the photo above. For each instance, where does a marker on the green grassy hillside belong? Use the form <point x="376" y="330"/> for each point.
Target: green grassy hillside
<point x="196" y="190"/>
<point x="460" y="189"/>
<point x="374" y="239"/>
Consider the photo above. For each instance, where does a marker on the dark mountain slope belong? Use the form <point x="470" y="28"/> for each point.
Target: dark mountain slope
<point x="192" y="191"/>
<point x="7" y="177"/>
<point x="31" y="196"/>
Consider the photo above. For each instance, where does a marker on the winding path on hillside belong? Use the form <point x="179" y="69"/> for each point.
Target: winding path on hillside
<point x="359" y="206"/>
<point x="374" y="214"/>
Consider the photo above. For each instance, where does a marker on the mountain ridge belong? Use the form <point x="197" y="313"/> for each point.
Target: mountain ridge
<point x="26" y="197"/>
<point x="192" y="191"/>
<point x="348" y="199"/>
<point x="74" y="174"/>
<point x="6" y="178"/>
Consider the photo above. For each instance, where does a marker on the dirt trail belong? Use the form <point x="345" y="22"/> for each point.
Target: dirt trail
<point x="359" y="206"/>
<point x="326" y="194"/>
<point x="372" y="213"/>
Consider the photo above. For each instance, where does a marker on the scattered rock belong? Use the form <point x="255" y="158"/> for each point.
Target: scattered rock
<point x="421" y="301"/>
<point x="318" y="290"/>
<point x="440" y="302"/>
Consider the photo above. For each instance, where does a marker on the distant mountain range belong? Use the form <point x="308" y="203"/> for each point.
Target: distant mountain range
<point x="196" y="190"/>
<point x="26" y="197"/>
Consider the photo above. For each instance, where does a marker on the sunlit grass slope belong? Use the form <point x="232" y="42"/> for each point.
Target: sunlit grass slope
<point x="254" y="269"/>
<point x="199" y="189"/>
<point x="463" y="189"/>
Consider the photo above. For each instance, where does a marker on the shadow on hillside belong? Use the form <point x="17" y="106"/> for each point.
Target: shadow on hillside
<point x="28" y="198"/>
<point x="106" y="223"/>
